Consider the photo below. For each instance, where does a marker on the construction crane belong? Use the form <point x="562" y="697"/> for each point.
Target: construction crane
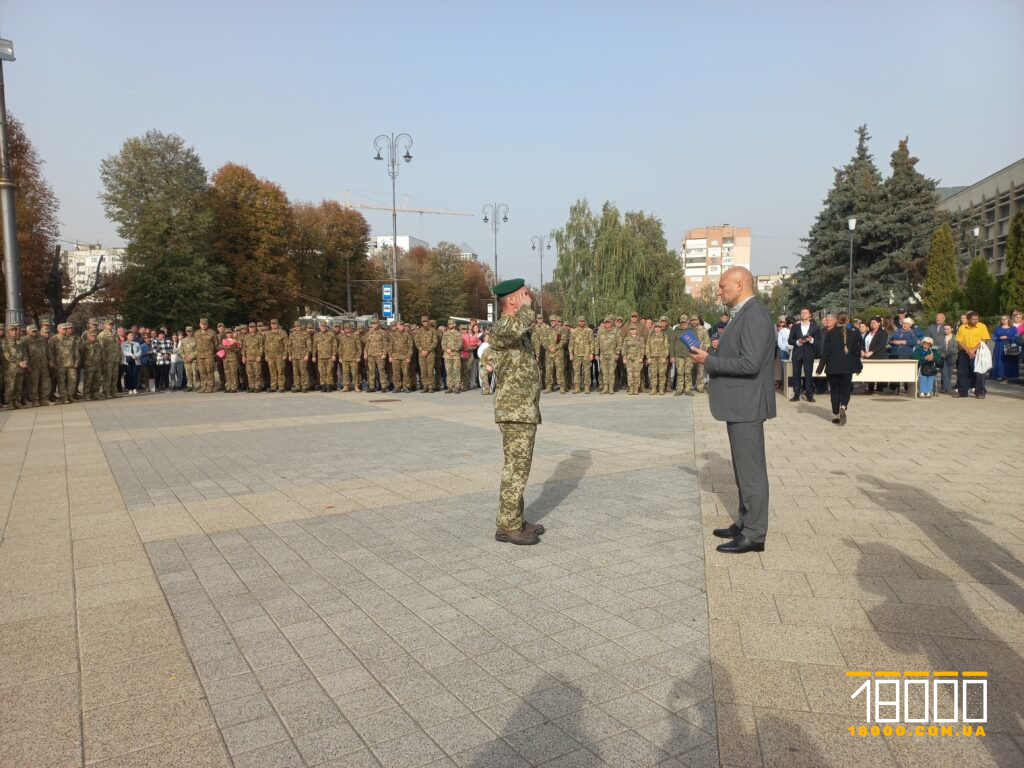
<point x="405" y="209"/>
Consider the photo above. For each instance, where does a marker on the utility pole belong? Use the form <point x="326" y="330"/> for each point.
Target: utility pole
<point x="12" y="258"/>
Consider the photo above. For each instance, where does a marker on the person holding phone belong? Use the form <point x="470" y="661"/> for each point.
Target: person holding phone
<point x="803" y="338"/>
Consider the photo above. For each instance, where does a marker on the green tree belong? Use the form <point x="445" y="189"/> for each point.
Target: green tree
<point x="447" y="282"/>
<point x="329" y="250"/>
<point x="253" y="227"/>
<point x="155" y="190"/>
<point x="822" y="277"/>
<point x="941" y="288"/>
<point x="911" y="217"/>
<point x="615" y="264"/>
<point x="979" y="288"/>
<point x="1012" y="289"/>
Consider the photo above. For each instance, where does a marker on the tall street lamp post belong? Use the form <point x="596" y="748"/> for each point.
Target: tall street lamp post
<point x="393" y="143"/>
<point x="852" y="223"/>
<point x="539" y="243"/>
<point x="12" y="259"/>
<point x="495" y="214"/>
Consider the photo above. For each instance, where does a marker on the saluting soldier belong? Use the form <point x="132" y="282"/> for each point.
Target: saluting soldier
<point x="516" y="407"/>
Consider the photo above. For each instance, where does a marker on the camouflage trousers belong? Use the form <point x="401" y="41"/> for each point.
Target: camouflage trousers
<point x="111" y="370"/>
<point x="376" y="368"/>
<point x="607" y="374"/>
<point x="14" y="379"/>
<point x="300" y="374"/>
<point x="403" y="379"/>
<point x="67" y="381"/>
<point x="230" y="382"/>
<point x="192" y="375"/>
<point x="453" y="373"/>
<point x="657" y="370"/>
<point x="276" y="365"/>
<point x="686" y="370"/>
<point x="554" y="367"/>
<point x="92" y="381"/>
<point x="206" y="369"/>
<point x="517" y="443"/>
<point x="254" y="375"/>
<point x="325" y="366"/>
<point x="581" y="374"/>
<point x="350" y="373"/>
<point x="634" y="375"/>
<point x="428" y="372"/>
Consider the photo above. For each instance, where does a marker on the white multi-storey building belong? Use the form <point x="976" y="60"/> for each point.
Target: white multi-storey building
<point x="709" y="251"/>
<point x="82" y="262"/>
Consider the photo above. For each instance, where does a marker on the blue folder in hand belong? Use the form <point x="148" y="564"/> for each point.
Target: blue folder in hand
<point x="689" y="338"/>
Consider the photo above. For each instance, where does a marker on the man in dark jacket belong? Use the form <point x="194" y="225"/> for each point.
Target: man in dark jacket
<point x="804" y="338"/>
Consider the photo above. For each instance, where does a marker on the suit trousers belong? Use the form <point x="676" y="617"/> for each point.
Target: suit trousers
<point x="803" y="369"/>
<point x="746" y="442"/>
<point x="966" y="377"/>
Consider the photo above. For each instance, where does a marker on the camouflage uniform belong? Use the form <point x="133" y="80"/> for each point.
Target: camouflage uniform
<point x="657" y="360"/>
<point x="633" y="348"/>
<point x="426" y="341"/>
<point x="111" y="359"/>
<point x="275" y="344"/>
<point x="401" y="358"/>
<point x="350" y="350"/>
<point x="606" y="347"/>
<point x="300" y="350"/>
<point x="581" y="352"/>
<point x="537" y="333"/>
<point x="325" y="354"/>
<point x="451" y="343"/>
<point x="65" y="353"/>
<point x="15" y="363"/>
<point x="37" y="376"/>
<point x="689" y="375"/>
<point x="206" y="353"/>
<point x="516" y="411"/>
<point x="486" y="361"/>
<point x="232" y="352"/>
<point x="92" y="367"/>
<point x="554" y="360"/>
<point x="252" y="355"/>
<point x="188" y="355"/>
<point x="375" y="353"/>
<point x="51" y="357"/>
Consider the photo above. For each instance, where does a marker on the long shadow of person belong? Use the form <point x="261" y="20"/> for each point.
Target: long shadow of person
<point x="555" y="492"/>
<point x="937" y="625"/>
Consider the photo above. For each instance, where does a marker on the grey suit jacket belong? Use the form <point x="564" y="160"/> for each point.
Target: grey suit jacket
<point x="742" y="370"/>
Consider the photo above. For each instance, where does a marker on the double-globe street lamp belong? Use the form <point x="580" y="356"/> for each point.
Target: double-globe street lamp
<point x="495" y="214"/>
<point x="852" y="223"/>
<point x="393" y="143"/>
<point x="539" y="243"/>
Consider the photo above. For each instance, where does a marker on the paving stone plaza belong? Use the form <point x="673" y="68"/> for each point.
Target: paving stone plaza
<point x="312" y="580"/>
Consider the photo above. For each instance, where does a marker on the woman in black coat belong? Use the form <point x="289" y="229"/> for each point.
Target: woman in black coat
<point x="876" y="340"/>
<point x="840" y="359"/>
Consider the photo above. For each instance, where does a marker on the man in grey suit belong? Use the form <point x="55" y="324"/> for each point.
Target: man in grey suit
<point x="743" y="395"/>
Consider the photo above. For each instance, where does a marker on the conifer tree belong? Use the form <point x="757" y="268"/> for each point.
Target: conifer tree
<point x="1012" y="294"/>
<point x="940" y="284"/>
<point x="979" y="288"/>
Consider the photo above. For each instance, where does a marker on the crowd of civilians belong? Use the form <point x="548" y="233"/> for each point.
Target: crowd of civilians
<point x="966" y="349"/>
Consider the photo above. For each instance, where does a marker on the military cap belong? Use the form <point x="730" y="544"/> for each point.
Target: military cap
<point x="505" y="287"/>
<point x="273" y="320"/>
<point x="608" y="319"/>
<point x="252" y="325"/>
<point x="93" y="321"/>
<point x="189" y="328"/>
<point x="203" y="320"/>
<point x="45" y="326"/>
<point x="348" y="326"/>
<point x="323" y="323"/>
<point x="229" y="330"/>
<point x="581" y="318"/>
<point x="663" y="319"/>
<point x="31" y="328"/>
<point x="540" y="315"/>
<point x="634" y="313"/>
<point x="296" y="323"/>
<point x="375" y="321"/>
<point x="424" y="318"/>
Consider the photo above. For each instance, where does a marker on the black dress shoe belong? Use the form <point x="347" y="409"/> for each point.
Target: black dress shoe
<point x="739" y="545"/>
<point x="795" y="399"/>
<point x="727" y="533"/>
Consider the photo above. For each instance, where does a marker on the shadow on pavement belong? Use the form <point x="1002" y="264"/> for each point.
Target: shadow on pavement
<point x="555" y="492"/>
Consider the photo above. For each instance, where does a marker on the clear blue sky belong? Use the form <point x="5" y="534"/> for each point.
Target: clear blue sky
<point x="700" y="113"/>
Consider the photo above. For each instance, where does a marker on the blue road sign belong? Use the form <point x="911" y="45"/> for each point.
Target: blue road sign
<point x="385" y="292"/>
<point x="387" y="309"/>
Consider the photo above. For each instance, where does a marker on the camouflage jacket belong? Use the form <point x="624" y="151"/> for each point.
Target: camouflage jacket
<point x="13" y="352"/>
<point x="36" y="352"/>
<point x="376" y="343"/>
<point x="657" y="346"/>
<point x="252" y="347"/>
<point x="426" y="339"/>
<point x="275" y="342"/>
<point x="299" y="344"/>
<point x="110" y="345"/>
<point x="517" y="378"/>
<point x="188" y="349"/>
<point x="451" y="343"/>
<point x="92" y="354"/>
<point x="581" y="342"/>
<point x="401" y="345"/>
<point x="350" y="347"/>
<point x="325" y="345"/>
<point x="607" y="342"/>
<point x="633" y="348"/>
<point x="65" y="352"/>
<point x="206" y="343"/>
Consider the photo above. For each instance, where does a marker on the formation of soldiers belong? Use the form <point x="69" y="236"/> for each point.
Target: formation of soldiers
<point x="41" y="368"/>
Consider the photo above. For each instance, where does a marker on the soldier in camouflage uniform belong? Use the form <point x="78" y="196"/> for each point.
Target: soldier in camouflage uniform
<point x="15" y="364"/>
<point x="633" y="348"/>
<point x="487" y="364"/>
<point x="65" y="356"/>
<point x="401" y="358"/>
<point x="325" y="354"/>
<point x="350" y="351"/>
<point x="581" y="353"/>
<point x="426" y="340"/>
<point x="110" y="364"/>
<point x="206" y="353"/>
<point x="300" y="350"/>
<point x="516" y="408"/>
<point x="51" y="359"/>
<point x="375" y="354"/>
<point x="232" y="349"/>
<point x="555" y="342"/>
<point x="188" y="356"/>
<point x="537" y="332"/>
<point x="451" y="344"/>
<point x="606" y="347"/>
<point x="657" y="359"/>
<point x="275" y="345"/>
<point x="37" y="375"/>
<point x="252" y="355"/>
<point x="92" y="366"/>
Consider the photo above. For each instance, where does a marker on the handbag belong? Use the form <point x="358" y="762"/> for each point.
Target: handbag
<point x="1011" y="350"/>
<point x="929" y="369"/>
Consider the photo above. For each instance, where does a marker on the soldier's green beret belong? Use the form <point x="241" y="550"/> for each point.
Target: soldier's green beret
<point x="505" y="287"/>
